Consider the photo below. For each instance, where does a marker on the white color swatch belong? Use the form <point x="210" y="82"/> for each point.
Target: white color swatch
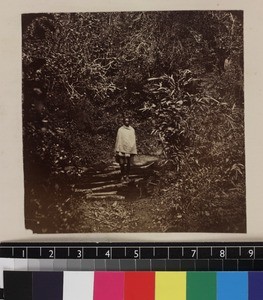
<point x="78" y="285"/>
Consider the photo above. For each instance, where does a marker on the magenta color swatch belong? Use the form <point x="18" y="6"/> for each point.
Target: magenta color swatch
<point x="108" y="286"/>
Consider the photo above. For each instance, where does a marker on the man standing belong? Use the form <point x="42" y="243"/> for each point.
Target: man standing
<point x="125" y="148"/>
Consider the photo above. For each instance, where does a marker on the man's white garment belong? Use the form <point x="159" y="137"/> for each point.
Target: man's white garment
<point x="126" y="141"/>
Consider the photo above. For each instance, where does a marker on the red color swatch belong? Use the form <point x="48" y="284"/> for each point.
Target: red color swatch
<point x="139" y="285"/>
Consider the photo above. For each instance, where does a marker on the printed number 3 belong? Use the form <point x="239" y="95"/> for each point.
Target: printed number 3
<point x="79" y="254"/>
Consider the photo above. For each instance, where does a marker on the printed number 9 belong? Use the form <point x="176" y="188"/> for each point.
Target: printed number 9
<point x="250" y="252"/>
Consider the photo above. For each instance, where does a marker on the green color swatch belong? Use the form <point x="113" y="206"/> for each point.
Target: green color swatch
<point x="201" y="286"/>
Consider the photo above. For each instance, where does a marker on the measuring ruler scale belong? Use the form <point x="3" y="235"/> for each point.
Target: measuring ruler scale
<point x="153" y="257"/>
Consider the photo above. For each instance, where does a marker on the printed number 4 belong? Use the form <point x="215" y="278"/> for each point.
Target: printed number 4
<point x="107" y="254"/>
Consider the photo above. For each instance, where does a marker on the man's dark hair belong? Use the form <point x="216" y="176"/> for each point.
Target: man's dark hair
<point x="126" y="117"/>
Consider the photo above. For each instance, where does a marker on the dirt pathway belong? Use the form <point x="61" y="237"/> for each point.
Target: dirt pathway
<point x="107" y="205"/>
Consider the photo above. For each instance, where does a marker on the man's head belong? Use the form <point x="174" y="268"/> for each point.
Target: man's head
<point x="126" y="121"/>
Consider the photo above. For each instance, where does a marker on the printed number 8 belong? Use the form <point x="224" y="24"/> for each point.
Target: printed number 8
<point x="222" y="253"/>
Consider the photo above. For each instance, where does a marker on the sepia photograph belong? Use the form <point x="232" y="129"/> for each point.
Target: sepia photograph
<point x="134" y="121"/>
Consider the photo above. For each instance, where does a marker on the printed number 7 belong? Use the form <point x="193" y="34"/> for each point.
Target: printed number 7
<point x="193" y="252"/>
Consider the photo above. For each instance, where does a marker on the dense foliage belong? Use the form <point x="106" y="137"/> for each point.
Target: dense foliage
<point x="179" y="75"/>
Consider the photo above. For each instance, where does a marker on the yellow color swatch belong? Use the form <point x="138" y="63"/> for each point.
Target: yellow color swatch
<point x="170" y="286"/>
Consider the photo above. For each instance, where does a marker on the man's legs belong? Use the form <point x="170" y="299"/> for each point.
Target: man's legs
<point x="122" y="166"/>
<point x="125" y="166"/>
<point x="128" y="166"/>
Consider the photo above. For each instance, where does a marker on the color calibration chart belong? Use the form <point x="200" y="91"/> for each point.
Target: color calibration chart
<point x="102" y="285"/>
<point x="131" y="271"/>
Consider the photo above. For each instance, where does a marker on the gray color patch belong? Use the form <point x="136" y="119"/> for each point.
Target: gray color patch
<point x="173" y="265"/>
<point x="127" y="265"/>
<point x="33" y="264"/>
<point x="158" y="265"/>
<point x="100" y="265"/>
<point x="46" y="264"/>
<point x="113" y="265"/>
<point x="88" y="264"/>
<point x="143" y="265"/>
<point x="74" y="265"/>
<point x="60" y="264"/>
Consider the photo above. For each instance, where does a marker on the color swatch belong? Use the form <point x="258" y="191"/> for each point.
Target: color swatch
<point x="170" y="285"/>
<point x="100" y="285"/>
<point x="109" y="285"/>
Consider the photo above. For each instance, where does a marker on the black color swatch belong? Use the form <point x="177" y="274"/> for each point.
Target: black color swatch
<point x="18" y="285"/>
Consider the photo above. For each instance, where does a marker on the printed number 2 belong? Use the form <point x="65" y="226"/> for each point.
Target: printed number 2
<point x="51" y="253"/>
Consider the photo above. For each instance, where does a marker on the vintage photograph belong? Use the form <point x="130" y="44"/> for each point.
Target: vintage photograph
<point x="133" y="121"/>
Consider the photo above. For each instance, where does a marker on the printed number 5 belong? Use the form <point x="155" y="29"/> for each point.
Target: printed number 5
<point x="136" y="253"/>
